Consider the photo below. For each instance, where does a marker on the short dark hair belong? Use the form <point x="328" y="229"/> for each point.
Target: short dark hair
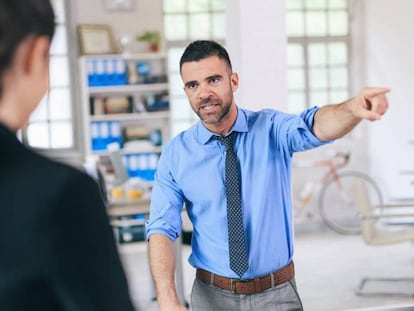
<point x="20" y="19"/>
<point x="200" y="49"/>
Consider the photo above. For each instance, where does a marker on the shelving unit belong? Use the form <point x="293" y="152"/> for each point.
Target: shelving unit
<point x="126" y="101"/>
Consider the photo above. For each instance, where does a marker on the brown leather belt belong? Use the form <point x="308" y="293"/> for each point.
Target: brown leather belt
<point x="250" y="286"/>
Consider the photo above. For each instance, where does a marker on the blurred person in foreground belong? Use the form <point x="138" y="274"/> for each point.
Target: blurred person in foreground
<point x="57" y="250"/>
<point x="191" y="171"/>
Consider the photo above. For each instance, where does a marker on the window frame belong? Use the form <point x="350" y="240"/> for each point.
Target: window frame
<point x="74" y="154"/>
<point x="305" y="41"/>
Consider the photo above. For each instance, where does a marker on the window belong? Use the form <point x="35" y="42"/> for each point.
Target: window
<point x="318" y="45"/>
<point x="185" y="21"/>
<point x="51" y="124"/>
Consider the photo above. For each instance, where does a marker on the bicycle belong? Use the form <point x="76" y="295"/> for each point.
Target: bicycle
<point x="336" y="202"/>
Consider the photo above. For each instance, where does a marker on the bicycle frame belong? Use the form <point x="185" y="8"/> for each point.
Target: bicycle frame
<point x="333" y="163"/>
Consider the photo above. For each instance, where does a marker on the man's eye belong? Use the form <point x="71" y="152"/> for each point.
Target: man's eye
<point x="214" y="80"/>
<point x="191" y="85"/>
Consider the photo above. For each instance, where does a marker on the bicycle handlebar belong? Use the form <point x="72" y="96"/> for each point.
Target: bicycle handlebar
<point x="345" y="156"/>
<point x="335" y="160"/>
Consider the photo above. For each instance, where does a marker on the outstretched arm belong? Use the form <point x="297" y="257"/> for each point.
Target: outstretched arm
<point x="335" y="121"/>
<point x="162" y="263"/>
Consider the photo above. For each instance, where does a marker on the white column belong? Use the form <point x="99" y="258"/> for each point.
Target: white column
<point x="256" y="41"/>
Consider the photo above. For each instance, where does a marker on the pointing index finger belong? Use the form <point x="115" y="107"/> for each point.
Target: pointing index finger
<point x="375" y="91"/>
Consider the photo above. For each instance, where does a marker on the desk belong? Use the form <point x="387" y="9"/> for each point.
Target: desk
<point x="132" y="207"/>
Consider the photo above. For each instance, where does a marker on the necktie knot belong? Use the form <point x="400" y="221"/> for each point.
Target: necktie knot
<point x="227" y="141"/>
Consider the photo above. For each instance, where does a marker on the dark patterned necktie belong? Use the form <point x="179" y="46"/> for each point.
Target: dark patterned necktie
<point x="237" y="243"/>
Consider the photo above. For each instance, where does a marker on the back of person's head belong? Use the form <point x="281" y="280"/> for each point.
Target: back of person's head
<point x="201" y="49"/>
<point x="20" y="19"/>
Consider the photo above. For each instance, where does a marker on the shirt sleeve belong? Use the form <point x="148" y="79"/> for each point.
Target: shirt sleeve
<point x="166" y="200"/>
<point x="299" y="132"/>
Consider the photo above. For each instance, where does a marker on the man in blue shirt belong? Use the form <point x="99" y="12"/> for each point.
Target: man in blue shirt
<point x="191" y="171"/>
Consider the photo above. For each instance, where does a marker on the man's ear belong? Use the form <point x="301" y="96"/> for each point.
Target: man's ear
<point x="37" y="59"/>
<point x="234" y="81"/>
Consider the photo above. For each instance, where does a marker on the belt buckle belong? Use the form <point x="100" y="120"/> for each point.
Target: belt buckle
<point x="233" y="282"/>
<point x="233" y="286"/>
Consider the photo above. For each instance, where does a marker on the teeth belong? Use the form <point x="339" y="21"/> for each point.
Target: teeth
<point x="208" y="107"/>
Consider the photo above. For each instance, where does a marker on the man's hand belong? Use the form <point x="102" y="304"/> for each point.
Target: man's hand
<point x="334" y="121"/>
<point x="370" y="104"/>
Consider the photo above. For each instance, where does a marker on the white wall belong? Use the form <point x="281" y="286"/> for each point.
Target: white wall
<point x="146" y="15"/>
<point x="256" y="40"/>
<point x="389" y="61"/>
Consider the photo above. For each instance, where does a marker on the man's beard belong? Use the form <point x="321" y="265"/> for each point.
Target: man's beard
<point x="214" y="117"/>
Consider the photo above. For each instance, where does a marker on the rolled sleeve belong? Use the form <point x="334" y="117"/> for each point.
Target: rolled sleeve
<point x="166" y="203"/>
<point x="301" y="136"/>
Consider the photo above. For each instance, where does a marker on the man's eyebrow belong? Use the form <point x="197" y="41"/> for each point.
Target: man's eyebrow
<point x="216" y="76"/>
<point x="187" y="84"/>
<point x="212" y="77"/>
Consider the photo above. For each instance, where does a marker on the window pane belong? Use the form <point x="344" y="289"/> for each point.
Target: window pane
<point x="294" y="4"/>
<point x="59" y="42"/>
<point x="316" y="24"/>
<point x="318" y="78"/>
<point x="338" y="4"/>
<point x="171" y="6"/>
<point x="338" y="54"/>
<point x="338" y="96"/>
<point x="295" y="55"/>
<point x="182" y="109"/>
<point x="38" y="135"/>
<point x="318" y="98"/>
<point x="295" y="24"/>
<point x="338" y="23"/>
<point x="317" y="54"/>
<point x="218" y="26"/>
<point x="175" y="27"/>
<point x="61" y="134"/>
<point x="218" y="5"/>
<point x="199" y="26"/>
<point x="174" y="56"/>
<point x="315" y="4"/>
<point x="198" y="6"/>
<point x="339" y="77"/>
<point x="59" y="71"/>
<point x="40" y="113"/>
<point x="60" y="104"/>
<point x="296" y="102"/>
<point x="59" y="8"/>
<point x="296" y="79"/>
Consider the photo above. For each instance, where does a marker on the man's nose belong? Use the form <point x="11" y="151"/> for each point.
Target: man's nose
<point x="204" y="91"/>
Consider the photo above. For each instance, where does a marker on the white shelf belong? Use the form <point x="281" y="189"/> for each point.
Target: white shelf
<point x="129" y="151"/>
<point x="129" y="56"/>
<point x="139" y="116"/>
<point x="130" y="88"/>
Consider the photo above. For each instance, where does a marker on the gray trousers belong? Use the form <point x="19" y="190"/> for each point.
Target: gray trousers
<point x="283" y="297"/>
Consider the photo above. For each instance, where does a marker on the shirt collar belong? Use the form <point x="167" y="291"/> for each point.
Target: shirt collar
<point x="204" y="135"/>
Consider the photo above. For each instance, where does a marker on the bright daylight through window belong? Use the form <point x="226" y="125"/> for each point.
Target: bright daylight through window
<point x="51" y="124"/>
<point x="318" y="58"/>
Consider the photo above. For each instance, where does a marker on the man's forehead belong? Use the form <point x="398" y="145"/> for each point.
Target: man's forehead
<point x="203" y="68"/>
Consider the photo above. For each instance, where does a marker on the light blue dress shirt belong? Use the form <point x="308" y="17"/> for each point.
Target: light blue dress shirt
<point x="191" y="172"/>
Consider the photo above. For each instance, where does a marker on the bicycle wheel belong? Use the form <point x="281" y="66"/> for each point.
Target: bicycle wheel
<point x="337" y="204"/>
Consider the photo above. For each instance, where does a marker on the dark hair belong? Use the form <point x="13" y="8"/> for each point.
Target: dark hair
<point x="201" y="49"/>
<point x="20" y="19"/>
